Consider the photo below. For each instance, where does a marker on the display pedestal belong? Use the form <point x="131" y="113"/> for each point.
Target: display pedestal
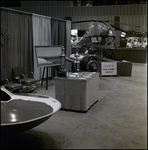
<point x="78" y="91"/>
<point x="111" y="67"/>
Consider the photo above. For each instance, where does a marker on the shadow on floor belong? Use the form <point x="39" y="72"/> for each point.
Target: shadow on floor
<point x="31" y="139"/>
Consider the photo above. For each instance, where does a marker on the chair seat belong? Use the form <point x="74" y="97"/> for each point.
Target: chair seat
<point x="14" y="85"/>
<point x="28" y="80"/>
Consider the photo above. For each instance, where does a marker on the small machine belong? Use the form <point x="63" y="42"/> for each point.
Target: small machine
<point x="84" y="62"/>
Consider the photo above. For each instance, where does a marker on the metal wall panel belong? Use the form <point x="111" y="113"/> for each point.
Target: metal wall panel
<point x="115" y="10"/>
<point x="83" y="26"/>
<point x="137" y="9"/>
<point x="69" y="14"/>
<point x="46" y="3"/>
<point x="145" y="23"/>
<point x="134" y="14"/>
<point x="112" y="10"/>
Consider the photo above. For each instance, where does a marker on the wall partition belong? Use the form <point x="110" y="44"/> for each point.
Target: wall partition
<point x="41" y="37"/>
<point x="16" y="49"/>
<point x="49" y="31"/>
<point x="27" y="30"/>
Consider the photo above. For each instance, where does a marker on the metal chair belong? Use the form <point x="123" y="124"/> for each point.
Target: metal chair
<point x="27" y="79"/>
<point x="9" y="83"/>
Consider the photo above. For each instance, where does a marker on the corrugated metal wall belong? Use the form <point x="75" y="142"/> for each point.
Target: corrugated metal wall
<point x="46" y="3"/>
<point x="134" y="14"/>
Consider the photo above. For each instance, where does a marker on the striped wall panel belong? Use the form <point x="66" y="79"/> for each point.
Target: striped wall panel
<point x="135" y="21"/>
<point x="46" y="3"/>
<point x="115" y="10"/>
<point x="83" y="26"/>
<point x="129" y="22"/>
<point x="134" y="14"/>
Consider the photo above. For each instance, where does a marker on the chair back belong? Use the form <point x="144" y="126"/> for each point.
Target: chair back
<point x="17" y="71"/>
<point x="5" y="74"/>
<point x="9" y="70"/>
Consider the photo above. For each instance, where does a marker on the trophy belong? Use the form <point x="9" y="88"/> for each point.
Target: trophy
<point x="62" y="72"/>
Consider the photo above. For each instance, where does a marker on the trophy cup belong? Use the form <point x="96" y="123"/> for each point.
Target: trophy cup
<point x="62" y="72"/>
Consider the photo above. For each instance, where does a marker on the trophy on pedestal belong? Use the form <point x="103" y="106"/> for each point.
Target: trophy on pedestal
<point x="62" y="72"/>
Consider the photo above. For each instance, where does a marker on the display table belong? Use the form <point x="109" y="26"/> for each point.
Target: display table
<point x="78" y="91"/>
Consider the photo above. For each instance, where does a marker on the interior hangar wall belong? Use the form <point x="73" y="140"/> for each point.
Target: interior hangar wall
<point x="133" y="14"/>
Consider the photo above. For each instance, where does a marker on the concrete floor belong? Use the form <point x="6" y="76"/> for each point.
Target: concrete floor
<point x="117" y="121"/>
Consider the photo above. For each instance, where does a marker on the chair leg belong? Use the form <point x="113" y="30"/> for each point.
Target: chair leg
<point x="36" y="85"/>
<point x="43" y="76"/>
<point x="27" y="88"/>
